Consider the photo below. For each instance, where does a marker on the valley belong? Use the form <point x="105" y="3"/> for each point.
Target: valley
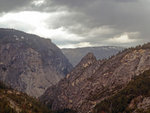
<point x="36" y="77"/>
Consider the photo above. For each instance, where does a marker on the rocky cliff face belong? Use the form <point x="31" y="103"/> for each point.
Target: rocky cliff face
<point x="92" y="81"/>
<point x="30" y="63"/>
<point x="134" y="98"/>
<point x="103" y="52"/>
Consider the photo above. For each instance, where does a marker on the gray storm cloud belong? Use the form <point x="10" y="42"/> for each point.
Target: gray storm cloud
<point x="10" y="5"/>
<point x="120" y="15"/>
<point x="98" y="21"/>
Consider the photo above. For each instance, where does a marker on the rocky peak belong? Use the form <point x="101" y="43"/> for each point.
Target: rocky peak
<point x="87" y="60"/>
<point x="89" y="85"/>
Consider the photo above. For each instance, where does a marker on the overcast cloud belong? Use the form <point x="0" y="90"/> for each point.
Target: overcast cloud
<point x="80" y="23"/>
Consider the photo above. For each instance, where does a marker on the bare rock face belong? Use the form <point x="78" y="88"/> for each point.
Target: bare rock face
<point x="92" y="81"/>
<point x="30" y="63"/>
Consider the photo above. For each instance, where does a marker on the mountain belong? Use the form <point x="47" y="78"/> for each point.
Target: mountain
<point x="12" y="101"/>
<point x="30" y="63"/>
<point x="134" y="98"/>
<point x="75" y="55"/>
<point x="95" y="86"/>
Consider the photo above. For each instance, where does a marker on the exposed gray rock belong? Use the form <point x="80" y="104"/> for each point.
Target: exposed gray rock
<point x="30" y="63"/>
<point x="90" y="83"/>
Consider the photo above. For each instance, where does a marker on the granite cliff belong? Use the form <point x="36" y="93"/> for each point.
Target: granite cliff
<point x="30" y="63"/>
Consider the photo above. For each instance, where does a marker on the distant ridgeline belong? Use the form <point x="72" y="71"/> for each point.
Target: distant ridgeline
<point x="102" y="52"/>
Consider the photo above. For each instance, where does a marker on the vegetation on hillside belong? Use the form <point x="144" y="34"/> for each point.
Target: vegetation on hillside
<point x="119" y="103"/>
<point x="65" y="111"/>
<point x="12" y="101"/>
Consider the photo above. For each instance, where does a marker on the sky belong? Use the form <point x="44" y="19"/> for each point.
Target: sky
<point x="80" y="23"/>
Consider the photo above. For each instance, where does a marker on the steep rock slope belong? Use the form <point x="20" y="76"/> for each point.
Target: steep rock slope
<point x="75" y="55"/>
<point x="134" y="98"/>
<point x="93" y="81"/>
<point x="30" y="63"/>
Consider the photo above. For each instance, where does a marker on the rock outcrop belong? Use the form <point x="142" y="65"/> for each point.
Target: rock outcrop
<point x="30" y="63"/>
<point x="92" y="81"/>
<point x="133" y="98"/>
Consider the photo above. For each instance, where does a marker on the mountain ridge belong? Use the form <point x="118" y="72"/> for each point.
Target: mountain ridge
<point x="102" y="52"/>
<point x="85" y="87"/>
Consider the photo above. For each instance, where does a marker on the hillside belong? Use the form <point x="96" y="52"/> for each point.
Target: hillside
<point x="92" y="81"/>
<point x="30" y="63"/>
<point x="134" y="98"/>
<point x="103" y="52"/>
<point x="12" y="101"/>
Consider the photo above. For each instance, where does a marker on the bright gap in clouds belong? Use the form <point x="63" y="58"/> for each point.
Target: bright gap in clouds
<point x="35" y="19"/>
<point x="38" y="2"/>
<point x="36" y="23"/>
<point x="124" y="38"/>
<point x="81" y="44"/>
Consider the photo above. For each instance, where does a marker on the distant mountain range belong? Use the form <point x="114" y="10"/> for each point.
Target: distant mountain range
<point x="30" y="63"/>
<point x="120" y="84"/>
<point x="102" y="52"/>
